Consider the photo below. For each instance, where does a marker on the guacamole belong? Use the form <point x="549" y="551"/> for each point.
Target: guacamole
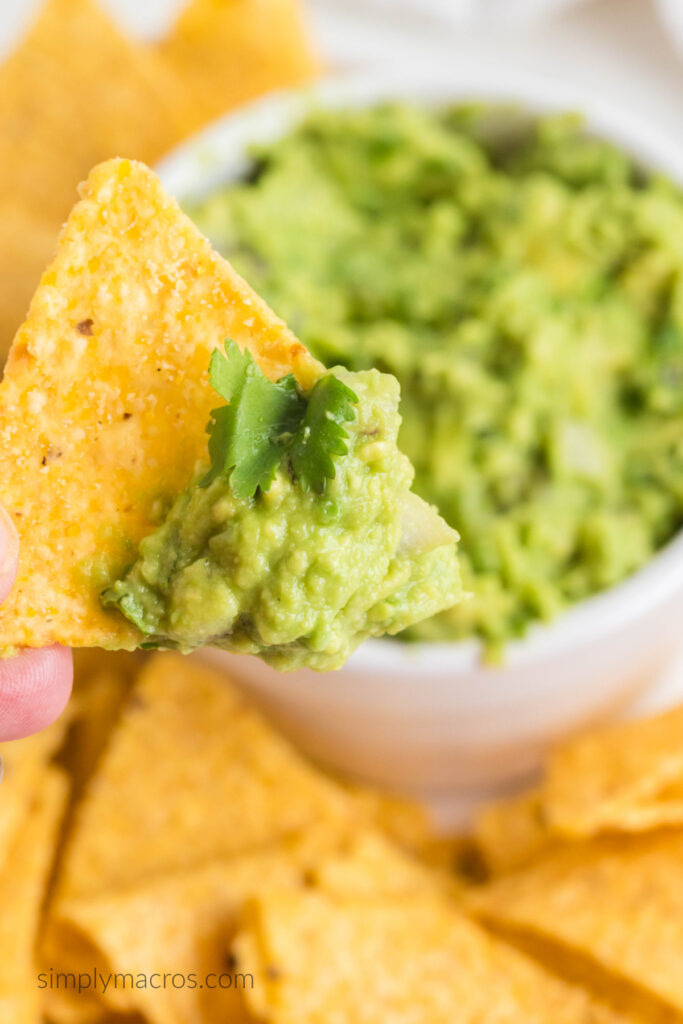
<point x="526" y="288"/>
<point x="297" y="574"/>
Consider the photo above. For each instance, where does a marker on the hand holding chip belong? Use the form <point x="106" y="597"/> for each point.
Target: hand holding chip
<point x="35" y="686"/>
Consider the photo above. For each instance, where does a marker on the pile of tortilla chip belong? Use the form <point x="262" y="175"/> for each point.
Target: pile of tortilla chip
<point x="166" y="856"/>
<point x="76" y="92"/>
<point x="586" y="870"/>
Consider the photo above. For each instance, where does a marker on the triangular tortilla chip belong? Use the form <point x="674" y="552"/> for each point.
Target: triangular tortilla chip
<point x="23" y="879"/>
<point x="182" y="923"/>
<point x="185" y="922"/>
<point x="190" y="774"/>
<point x="106" y="397"/>
<point x="315" y="957"/>
<point x="628" y="778"/>
<point x="625" y="778"/>
<point x="229" y="51"/>
<point x="610" y="912"/>
<point x="74" y="93"/>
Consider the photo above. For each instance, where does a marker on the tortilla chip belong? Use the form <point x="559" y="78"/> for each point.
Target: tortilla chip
<point x="512" y="832"/>
<point x="191" y="774"/>
<point x="610" y="911"/>
<point x="185" y="921"/>
<point x="27" y="244"/>
<point x="230" y="51"/>
<point x="74" y="93"/>
<point x="627" y="778"/>
<point x="127" y="315"/>
<point x="22" y="888"/>
<point x="24" y="762"/>
<point x="181" y="924"/>
<point x="316" y="958"/>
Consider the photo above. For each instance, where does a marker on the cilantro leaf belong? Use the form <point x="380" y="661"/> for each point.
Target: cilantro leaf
<point x="321" y="433"/>
<point x="264" y="421"/>
<point x="245" y="435"/>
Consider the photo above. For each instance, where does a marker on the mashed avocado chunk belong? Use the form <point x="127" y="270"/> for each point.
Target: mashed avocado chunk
<point x="524" y="283"/>
<point x="294" y="568"/>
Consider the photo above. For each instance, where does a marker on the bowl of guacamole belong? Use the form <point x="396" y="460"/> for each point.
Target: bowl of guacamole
<point x="511" y="253"/>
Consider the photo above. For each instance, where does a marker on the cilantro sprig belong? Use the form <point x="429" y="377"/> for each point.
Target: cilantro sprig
<point x="264" y="423"/>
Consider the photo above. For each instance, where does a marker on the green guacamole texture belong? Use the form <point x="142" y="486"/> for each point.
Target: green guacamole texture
<point x="526" y="289"/>
<point x="297" y="577"/>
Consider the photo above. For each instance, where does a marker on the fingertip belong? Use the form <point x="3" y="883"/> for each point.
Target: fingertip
<point x="34" y="690"/>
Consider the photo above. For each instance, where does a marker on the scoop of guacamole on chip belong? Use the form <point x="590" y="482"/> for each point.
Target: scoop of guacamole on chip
<point x="290" y="531"/>
<point x="524" y="282"/>
<point x="302" y="537"/>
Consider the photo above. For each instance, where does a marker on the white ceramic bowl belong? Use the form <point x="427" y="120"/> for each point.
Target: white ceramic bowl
<point x="429" y="719"/>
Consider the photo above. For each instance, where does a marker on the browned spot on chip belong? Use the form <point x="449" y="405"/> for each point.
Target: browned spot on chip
<point x="85" y="327"/>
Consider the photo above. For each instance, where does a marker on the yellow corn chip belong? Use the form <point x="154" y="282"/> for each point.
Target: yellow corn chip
<point x="106" y="396"/>
<point x="315" y="958"/>
<point x="627" y="778"/>
<point x="610" y="911"/>
<point x="191" y="774"/>
<point x="74" y="93"/>
<point x="179" y="927"/>
<point x="229" y="51"/>
<point x="23" y="879"/>
<point x="511" y="832"/>
<point x="27" y="244"/>
<point x="183" y="923"/>
<point x="24" y="763"/>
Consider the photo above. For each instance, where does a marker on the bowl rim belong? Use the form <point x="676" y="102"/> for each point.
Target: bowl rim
<point x="218" y="153"/>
